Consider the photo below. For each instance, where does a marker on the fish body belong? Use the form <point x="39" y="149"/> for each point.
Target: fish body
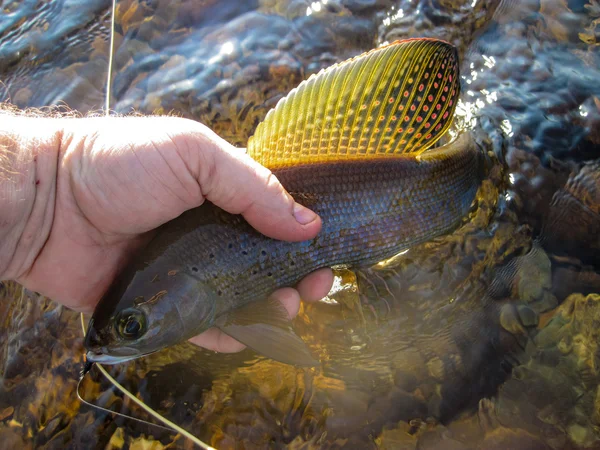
<point x="375" y="188"/>
<point x="370" y="211"/>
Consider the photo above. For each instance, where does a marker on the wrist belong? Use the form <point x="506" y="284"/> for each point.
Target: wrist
<point x="29" y="154"/>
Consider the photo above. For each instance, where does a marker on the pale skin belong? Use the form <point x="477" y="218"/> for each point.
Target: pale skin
<point x="78" y="196"/>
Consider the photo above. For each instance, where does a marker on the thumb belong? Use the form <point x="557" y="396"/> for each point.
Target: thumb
<point x="236" y="183"/>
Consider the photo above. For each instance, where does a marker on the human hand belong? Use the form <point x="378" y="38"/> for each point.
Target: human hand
<point x="114" y="180"/>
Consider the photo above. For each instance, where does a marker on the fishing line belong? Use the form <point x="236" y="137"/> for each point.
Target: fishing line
<point x="110" y="58"/>
<point x="110" y="411"/>
<point x="170" y="426"/>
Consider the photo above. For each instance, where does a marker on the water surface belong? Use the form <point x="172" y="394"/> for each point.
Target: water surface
<point x="483" y="339"/>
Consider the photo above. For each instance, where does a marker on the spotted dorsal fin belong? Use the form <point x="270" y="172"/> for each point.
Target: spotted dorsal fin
<point x="395" y="99"/>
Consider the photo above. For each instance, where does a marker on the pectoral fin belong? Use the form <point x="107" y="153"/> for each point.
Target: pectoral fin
<point x="266" y="328"/>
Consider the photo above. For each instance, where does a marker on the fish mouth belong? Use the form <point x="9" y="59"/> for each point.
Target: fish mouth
<point x="105" y="358"/>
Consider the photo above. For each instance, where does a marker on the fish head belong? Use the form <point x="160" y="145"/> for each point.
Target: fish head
<point x="147" y="309"/>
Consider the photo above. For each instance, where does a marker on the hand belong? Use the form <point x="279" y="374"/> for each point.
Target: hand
<point x="117" y="179"/>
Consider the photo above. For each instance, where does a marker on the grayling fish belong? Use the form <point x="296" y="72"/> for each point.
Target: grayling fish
<point x="351" y="144"/>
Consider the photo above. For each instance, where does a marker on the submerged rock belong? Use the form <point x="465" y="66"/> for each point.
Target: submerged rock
<point x="474" y="340"/>
<point x="553" y="394"/>
<point x="573" y="223"/>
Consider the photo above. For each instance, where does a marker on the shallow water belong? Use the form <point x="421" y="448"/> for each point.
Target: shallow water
<point x="484" y="339"/>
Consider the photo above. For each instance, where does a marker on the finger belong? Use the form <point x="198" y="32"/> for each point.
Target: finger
<point x="215" y="340"/>
<point x="277" y="215"/>
<point x="290" y="299"/>
<point x="236" y="183"/>
<point x="316" y="285"/>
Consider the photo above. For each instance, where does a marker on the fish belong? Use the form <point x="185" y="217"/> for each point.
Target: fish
<point x="354" y="144"/>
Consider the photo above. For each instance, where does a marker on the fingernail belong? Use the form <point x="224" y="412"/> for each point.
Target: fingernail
<point x="303" y="215"/>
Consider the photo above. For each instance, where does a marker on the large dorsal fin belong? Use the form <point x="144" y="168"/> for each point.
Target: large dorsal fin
<point x="395" y="99"/>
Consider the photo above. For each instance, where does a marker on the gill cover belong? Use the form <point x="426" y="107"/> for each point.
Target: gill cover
<point x="144" y="311"/>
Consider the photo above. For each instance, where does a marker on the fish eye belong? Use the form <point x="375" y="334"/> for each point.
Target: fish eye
<point x="131" y="324"/>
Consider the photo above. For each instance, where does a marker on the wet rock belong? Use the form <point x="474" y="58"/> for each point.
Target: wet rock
<point x="527" y="278"/>
<point x="440" y="437"/>
<point x="529" y="86"/>
<point x="517" y="319"/>
<point x="438" y="19"/>
<point x="573" y="224"/>
<point x="11" y="438"/>
<point x="397" y="439"/>
<point x="498" y="437"/>
<point x="529" y="318"/>
<point x="32" y="43"/>
<point x="554" y="392"/>
<point x="571" y="276"/>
